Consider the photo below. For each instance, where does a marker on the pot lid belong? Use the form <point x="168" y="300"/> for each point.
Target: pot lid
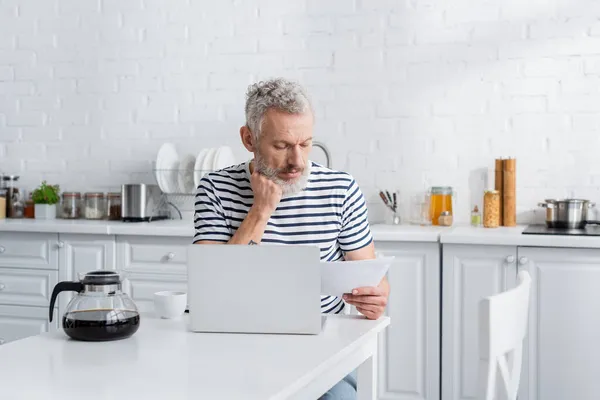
<point x="101" y="277"/>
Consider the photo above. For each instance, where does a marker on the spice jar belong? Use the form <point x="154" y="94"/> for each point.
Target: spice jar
<point x="113" y="206"/>
<point x="445" y="218"/>
<point x="475" y="217"/>
<point x="491" y="209"/>
<point x="94" y="205"/>
<point x="29" y="209"/>
<point x="71" y="205"/>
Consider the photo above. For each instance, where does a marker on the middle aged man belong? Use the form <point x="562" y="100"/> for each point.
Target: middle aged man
<point x="281" y="197"/>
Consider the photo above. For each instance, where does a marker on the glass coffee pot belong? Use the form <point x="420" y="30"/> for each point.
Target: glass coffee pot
<point x="100" y="311"/>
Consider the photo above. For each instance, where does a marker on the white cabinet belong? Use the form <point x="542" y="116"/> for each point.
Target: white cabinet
<point x="20" y="322"/>
<point x="152" y="264"/>
<point x="409" y="353"/>
<point x="562" y="351"/>
<point x="469" y="273"/>
<point x="28" y="273"/>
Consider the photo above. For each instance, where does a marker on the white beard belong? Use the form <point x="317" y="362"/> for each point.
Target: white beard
<point x="287" y="187"/>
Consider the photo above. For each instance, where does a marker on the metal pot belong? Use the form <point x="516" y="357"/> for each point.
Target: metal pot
<point x="567" y="213"/>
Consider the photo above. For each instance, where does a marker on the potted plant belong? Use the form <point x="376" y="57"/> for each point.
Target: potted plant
<point x="45" y="198"/>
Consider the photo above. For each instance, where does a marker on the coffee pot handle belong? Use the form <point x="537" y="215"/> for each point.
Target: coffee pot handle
<point x="63" y="287"/>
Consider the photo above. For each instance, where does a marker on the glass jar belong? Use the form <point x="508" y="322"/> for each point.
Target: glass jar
<point x="491" y="209"/>
<point x="441" y="199"/>
<point x="113" y="206"/>
<point x="71" y="205"/>
<point x="95" y="206"/>
<point x="14" y="200"/>
<point x="29" y="209"/>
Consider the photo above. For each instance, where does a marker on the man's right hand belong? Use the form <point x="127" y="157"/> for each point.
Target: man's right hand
<point x="267" y="193"/>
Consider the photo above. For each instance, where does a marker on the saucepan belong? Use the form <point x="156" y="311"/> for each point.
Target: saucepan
<point x="567" y="213"/>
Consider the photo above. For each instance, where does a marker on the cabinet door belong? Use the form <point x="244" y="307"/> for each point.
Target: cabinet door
<point x="562" y="350"/>
<point x="29" y="250"/>
<point x="26" y="287"/>
<point x="20" y="322"/>
<point x="409" y="352"/>
<point x="469" y="273"/>
<point x="80" y="254"/>
<point x="154" y="255"/>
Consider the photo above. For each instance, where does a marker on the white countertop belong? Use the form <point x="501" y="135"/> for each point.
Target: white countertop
<point x="165" y="361"/>
<point x="458" y="234"/>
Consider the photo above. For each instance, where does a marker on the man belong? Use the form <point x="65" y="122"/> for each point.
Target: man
<point x="282" y="197"/>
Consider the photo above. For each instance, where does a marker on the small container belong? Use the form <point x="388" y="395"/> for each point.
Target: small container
<point x="491" y="209"/>
<point x="29" y="209"/>
<point x="71" y="205"/>
<point x="95" y="205"/>
<point x="445" y="219"/>
<point x="113" y="206"/>
<point x="475" y="217"/>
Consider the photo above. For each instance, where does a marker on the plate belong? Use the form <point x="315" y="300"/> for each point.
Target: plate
<point x="167" y="162"/>
<point x="198" y="172"/>
<point x="207" y="164"/>
<point x="223" y="158"/>
<point x="185" y="178"/>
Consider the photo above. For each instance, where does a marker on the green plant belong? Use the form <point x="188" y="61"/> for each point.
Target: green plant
<point x="45" y="194"/>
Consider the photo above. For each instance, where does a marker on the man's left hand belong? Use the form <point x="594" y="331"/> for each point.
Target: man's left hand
<point x="369" y="301"/>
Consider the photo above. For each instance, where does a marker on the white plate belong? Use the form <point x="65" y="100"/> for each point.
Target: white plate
<point x="223" y="158"/>
<point x="207" y="164"/>
<point x="167" y="163"/>
<point x="186" y="173"/>
<point x="198" y="172"/>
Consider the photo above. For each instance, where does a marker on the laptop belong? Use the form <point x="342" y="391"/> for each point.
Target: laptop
<point x="254" y="289"/>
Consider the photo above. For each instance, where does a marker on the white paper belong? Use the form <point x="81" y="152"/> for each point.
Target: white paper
<point x="341" y="277"/>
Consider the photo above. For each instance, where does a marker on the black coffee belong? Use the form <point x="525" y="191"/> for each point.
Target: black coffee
<point x="99" y="325"/>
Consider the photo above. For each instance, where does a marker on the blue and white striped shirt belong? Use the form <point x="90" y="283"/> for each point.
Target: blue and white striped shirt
<point x="330" y="212"/>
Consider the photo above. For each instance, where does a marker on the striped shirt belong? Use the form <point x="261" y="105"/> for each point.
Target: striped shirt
<point x="330" y="212"/>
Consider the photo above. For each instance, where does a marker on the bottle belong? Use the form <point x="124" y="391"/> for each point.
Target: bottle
<point x="475" y="217"/>
<point x="445" y="219"/>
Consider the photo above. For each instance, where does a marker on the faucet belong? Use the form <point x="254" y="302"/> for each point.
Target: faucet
<point x="325" y="150"/>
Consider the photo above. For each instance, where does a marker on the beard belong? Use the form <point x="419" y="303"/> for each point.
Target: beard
<point x="287" y="187"/>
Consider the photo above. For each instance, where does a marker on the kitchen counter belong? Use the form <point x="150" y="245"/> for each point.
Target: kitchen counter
<point x="458" y="234"/>
<point x="164" y="360"/>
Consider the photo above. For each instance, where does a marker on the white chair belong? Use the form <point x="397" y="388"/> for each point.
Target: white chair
<point x="502" y="330"/>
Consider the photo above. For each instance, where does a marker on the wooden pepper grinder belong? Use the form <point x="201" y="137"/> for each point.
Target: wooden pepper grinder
<point x="509" y="195"/>
<point x="499" y="184"/>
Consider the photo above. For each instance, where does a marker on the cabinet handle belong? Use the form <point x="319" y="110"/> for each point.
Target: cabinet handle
<point x="2" y="286"/>
<point x="2" y="249"/>
<point x="170" y="256"/>
<point x="523" y="260"/>
<point x="2" y="341"/>
<point x="60" y="245"/>
<point x="510" y="259"/>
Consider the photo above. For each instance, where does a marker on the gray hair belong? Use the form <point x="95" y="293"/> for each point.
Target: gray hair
<point x="280" y="94"/>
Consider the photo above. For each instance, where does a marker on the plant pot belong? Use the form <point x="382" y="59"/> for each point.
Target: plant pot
<point x="45" y="211"/>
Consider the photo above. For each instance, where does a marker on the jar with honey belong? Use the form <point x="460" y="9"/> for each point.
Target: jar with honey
<point x="440" y="200"/>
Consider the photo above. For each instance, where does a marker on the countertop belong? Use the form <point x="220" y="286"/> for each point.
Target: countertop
<point x="163" y="360"/>
<point x="458" y="234"/>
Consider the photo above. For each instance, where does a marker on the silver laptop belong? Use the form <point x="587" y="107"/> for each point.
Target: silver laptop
<point x="254" y="289"/>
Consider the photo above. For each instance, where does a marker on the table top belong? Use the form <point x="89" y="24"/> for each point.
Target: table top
<point x="163" y="359"/>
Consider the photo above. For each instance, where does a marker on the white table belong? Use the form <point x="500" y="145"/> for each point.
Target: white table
<point x="163" y="360"/>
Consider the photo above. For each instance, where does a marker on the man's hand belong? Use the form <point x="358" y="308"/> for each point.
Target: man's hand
<point x="267" y="193"/>
<point x="369" y="301"/>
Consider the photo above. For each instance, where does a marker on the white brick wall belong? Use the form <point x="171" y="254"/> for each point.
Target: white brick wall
<point x="407" y="93"/>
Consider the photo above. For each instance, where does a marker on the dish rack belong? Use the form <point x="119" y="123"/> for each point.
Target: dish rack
<point x="178" y="191"/>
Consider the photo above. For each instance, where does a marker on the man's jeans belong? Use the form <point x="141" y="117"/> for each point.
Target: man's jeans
<point x="343" y="390"/>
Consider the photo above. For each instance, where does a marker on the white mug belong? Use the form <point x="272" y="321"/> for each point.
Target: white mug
<point x="169" y="304"/>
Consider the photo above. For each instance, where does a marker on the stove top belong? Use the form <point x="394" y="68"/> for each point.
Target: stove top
<point x="589" y="230"/>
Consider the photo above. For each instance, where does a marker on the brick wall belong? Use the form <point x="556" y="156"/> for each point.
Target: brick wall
<point x="408" y="93"/>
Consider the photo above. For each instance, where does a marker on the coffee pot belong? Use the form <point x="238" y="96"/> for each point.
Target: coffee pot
<point x="100" y="311"/>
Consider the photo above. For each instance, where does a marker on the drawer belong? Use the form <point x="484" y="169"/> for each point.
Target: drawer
<point x="26" y="287"/>
<point x="21" y="322"/>
<point x="143" y="287"/>
<point x="29" y="250"/>
<point x="156" y="255"/>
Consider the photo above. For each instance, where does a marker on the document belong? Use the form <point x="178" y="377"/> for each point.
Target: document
<point x="341" y="277"/>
